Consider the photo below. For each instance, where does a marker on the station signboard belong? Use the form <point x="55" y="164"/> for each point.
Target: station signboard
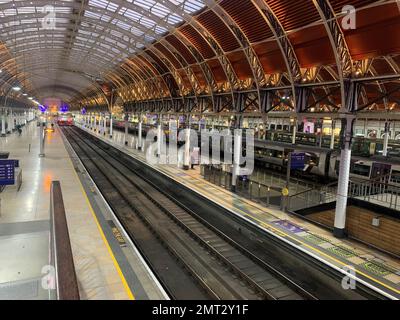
<point x="7" y="172"/>
<point x="298" y="161"/>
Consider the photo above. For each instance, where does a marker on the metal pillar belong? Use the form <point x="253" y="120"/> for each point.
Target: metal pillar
<point x="159" y="139"/>
<point x="41" y="137"/>
<point x="126" y="128"/>
<point x="9" y="119"/>
<point x="333" y="126"/>
<point x="386" y="139"/>
<point x="285" y="195"/>
<point x="294" y="132"/>
<point x="12" y="121"/>
<point x="100" y="126"/>
<point x="237" y="151"/>
<point x="140" y="134"/>
<point x="344" y="177"/>
<point x="186" y="156"/>
<point x="3" y="124"/>
<point x="111" y="126"/>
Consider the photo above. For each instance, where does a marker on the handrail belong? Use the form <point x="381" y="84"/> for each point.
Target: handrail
<point x="322" y="188"/>
<point x="376" y="179"/>
<point x="66" y="282"/>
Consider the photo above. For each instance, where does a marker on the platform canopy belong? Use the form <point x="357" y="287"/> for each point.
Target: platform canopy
<point x="255" y="56"/>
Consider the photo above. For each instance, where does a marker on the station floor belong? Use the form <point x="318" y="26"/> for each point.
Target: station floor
<point x="103" y="270"/>
<point x="372" y="267"/>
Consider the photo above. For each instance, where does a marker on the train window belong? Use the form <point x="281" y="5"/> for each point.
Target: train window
<point x="272" y="127"/>
<point x="273" y="153"/>
<point x="312" y="159"/>
<point x="279" y="127"/>
<point x="395" y="177"/>
<point x="360" y="169"/>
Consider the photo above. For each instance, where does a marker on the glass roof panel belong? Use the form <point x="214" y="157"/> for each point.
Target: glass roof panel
<point x="82" y="31"/>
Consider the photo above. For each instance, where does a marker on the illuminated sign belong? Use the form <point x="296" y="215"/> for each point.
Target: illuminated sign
<point x="7" y="172"/>
<point x="42" y="108"/>
<point x="64" y="107"/>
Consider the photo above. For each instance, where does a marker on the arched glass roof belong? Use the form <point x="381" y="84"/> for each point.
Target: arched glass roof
<point x="217" y="55"/>
<point x="63" y="40"/>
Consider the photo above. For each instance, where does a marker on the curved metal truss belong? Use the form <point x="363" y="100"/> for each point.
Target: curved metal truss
<point x="92" y="36"/>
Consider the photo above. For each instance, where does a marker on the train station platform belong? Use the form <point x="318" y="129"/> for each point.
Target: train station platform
<point x="377" y="270"/>
<point x="105" y="269"/>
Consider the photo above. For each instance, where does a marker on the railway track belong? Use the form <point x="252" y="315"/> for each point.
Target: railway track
<point x="200" y="262"/>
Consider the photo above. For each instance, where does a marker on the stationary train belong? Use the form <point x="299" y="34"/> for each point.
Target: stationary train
<point x="321" y="164"/>
<point x="65" y="119"/>
<point x="324" y="163"/>
<point x="364" y="147"/>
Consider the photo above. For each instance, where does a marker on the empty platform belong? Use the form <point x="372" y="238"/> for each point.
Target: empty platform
<point x="374" y="268"/>
<point x="103" y="270"/>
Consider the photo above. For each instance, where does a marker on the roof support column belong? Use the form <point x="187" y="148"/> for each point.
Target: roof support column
<point x="3" y="123"/>
<point x="186" y="155"/>
<point x="100" y="125"/>
<point x="237" y="152"/>
<point x="333" y="126"/>
<point x="386" y="139"/>
<point x="12" y="120"/>
<point x="294" y="131"/>
<point x="126" y="118"/>
<point x="111" y="125"/>
<point x="9" y="120"/>
<point x="105" y="125"/>
<point x="343" y="188"/>
<point x="345" y="159"/>
<point x="160" y="134"/>
<point x="139" y="147"/>
<point x="94" y="123"/>
<point x="91" y="122"/>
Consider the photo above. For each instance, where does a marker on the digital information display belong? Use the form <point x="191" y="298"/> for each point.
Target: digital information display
<point x="7" y="172"/>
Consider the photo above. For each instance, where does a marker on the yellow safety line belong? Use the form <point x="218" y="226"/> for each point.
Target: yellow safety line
<point x="262" y="223"/>
<point x="119" y="271"/>
<point x="297" y="240"/>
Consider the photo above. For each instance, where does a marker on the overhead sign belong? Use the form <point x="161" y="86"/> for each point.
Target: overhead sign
<point x="298" y="161"/>
<point x="7" y="172"/>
